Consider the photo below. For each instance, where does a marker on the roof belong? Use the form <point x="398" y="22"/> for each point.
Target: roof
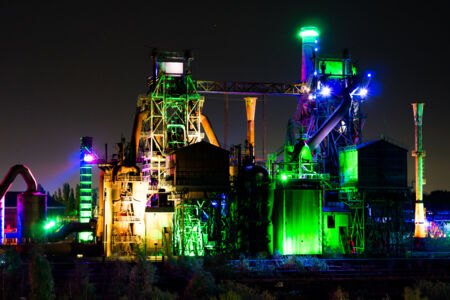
<point x="201" y="144"/>
<point x="381" y="140"/>
<point x="11" y="200"/>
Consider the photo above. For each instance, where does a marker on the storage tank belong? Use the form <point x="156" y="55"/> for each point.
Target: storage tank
<point x="31" y="216"/>
<point x="297" y="220"/>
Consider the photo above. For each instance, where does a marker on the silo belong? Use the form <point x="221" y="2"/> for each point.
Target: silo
<point x="31" y="216"/>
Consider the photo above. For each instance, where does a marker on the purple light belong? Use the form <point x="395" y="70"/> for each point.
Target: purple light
<point x="88" y="157"/>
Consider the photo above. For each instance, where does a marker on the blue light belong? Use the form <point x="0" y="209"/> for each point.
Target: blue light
<point x="316" y="41"/>
<point x="316" y="49"/>
<point x="315" y="73"/>
<point x="325" y="91"/>
<point x="369" y="75"/>
<point x="363" y="92"/>
<point x="214" y="203"/>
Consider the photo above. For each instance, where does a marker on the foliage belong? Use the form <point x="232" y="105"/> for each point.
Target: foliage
<point x="431" y="290"/>
<point x="12" y="273"/>
<point x="41" y="279"/>
<point x="301" y="263"/>
<point x="11" y="261"/>
<point x="69" y="197"/>
<point x="201" y="286"/>
<point x="413" y="294"/>
<point x="340" y="294"/>
<point x="119" y="279"/>
<point x="141" y="278"/>
<point x="79" y="286"/>
<point x="219" y="267"/>
<point x="234" y="290"/>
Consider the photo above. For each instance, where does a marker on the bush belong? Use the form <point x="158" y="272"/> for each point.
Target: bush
<point x="431" y="290"/>
<point x="234" y="290"/>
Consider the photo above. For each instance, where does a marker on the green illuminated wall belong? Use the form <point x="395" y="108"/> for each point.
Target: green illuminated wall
<point x="297" y="221"/>
<point x="332" y="222"/>
<point x="348" y="168"/>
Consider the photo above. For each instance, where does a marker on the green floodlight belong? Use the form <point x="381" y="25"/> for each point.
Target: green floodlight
<point x="49" y="225"/>
<point x="284" y="177"/>
<point x="309" y="32"/>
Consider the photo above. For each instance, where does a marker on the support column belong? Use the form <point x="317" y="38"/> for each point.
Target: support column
<point x="225" y="122"/>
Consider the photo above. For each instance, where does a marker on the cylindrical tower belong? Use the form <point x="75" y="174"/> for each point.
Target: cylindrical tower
<point x="309" y="37"/>
<point x="419" y="154"/>
<point x="250" y="105"/>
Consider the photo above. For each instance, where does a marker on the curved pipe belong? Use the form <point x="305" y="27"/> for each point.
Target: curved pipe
<point x="208" y="130"/>
<point x="136" y="135"/>
<point x="330" y="123"/>
<point x="12" y="174"/>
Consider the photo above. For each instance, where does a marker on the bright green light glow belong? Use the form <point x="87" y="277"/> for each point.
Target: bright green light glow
<point x="284" y="177"/>
<point x="85" y="236"/>
<point x="348" y="168"/>
<point x="308" y="32"/>
<point x="297" y="221"/>
<point x="49" y="225"/>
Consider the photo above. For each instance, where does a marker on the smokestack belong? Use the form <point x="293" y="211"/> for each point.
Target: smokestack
<point x="250" y="105"/>
<point x="310" y="45"/>
<point x="419" y="154"/>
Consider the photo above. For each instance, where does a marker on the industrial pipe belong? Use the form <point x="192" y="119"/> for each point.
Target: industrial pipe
<point x="208" y="130"/>
<point x="136" y="135"/>
<point x="25" y="201"/>
<point x="250" y="106"/>
<point x="330" y="123"/>
<point x="12" y="174"/>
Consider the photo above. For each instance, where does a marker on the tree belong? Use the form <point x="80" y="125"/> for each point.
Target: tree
<point x="41" y="279"/>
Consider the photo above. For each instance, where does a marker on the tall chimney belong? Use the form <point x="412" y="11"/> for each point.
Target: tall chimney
<point x="309" y="36"/>
<point x="250" y="105"/>
<point x="419" y="154"/>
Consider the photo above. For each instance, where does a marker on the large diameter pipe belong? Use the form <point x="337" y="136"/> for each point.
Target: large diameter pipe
<point x="12" y="174"/>
<point x="208" y="130"/>
<point x="6" y="184"/>
<point x="330" y="123"/>
<point x="136" y="135"/>
<point x="250" y="106"/>
<point x="419" y="154"/>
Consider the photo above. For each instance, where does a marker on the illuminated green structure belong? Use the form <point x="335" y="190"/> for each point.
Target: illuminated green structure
<point x="297" y="219"/>
<point x="85" y="211"/>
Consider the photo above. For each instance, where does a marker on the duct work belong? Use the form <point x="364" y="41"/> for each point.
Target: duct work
<point x="31" y="206"/>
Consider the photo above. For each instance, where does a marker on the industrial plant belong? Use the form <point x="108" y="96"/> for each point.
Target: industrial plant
<point x="175" y="190"/>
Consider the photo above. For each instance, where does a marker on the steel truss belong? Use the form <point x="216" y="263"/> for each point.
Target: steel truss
<point x="173" y="122"/>
<point x="355" y="202"/>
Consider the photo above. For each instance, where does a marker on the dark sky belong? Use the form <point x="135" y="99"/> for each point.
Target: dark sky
<point x="75" y="68"/>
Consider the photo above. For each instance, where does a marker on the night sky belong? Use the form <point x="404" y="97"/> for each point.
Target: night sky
<point x="74" y="68"/>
